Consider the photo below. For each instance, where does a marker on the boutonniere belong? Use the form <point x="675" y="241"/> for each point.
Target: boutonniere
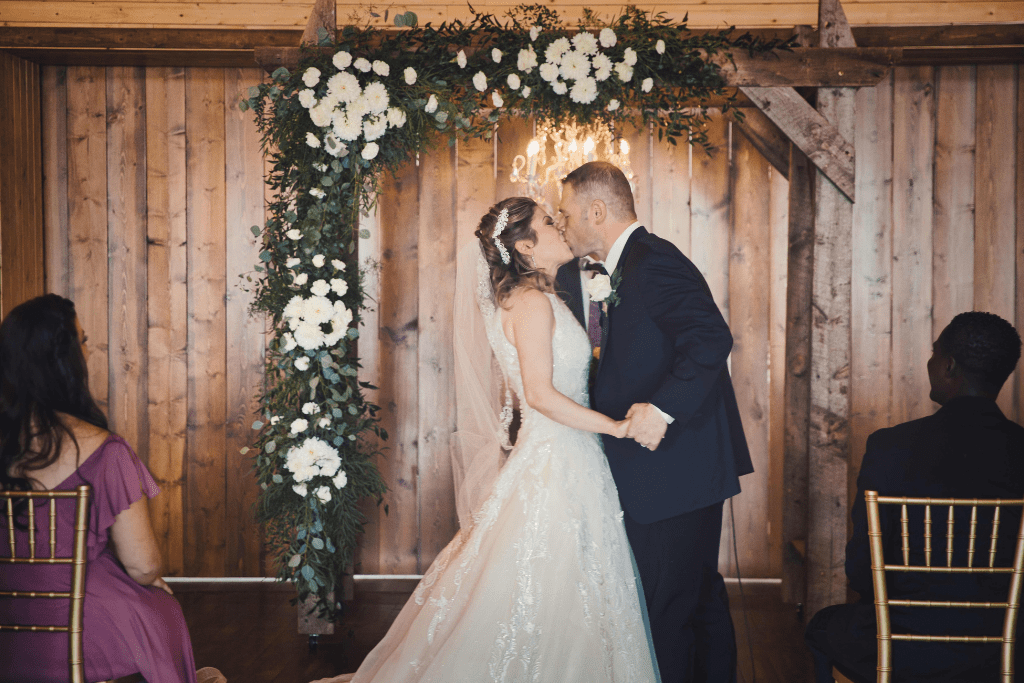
<point x="604" y="289"/>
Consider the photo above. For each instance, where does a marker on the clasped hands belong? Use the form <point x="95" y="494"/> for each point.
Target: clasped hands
<point x="644" y="424"/>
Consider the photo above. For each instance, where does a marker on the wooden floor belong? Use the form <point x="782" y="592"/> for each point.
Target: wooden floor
<point x="250" y="633"/>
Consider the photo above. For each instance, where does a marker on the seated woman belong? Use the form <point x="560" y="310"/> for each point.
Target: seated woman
<point x="53" y="436"/>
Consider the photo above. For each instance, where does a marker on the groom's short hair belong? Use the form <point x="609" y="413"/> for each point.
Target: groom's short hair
<point x="604" y="181"/>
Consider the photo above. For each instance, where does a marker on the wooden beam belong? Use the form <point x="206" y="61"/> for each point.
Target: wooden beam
<point x="816" y="137"/>
<point x="767" y="139"/>
<point x="322" y="17"/>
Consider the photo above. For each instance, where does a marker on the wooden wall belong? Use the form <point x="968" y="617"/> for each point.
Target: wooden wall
<point x="153" y="178"/>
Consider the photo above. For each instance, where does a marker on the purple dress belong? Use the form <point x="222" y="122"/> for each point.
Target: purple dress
<point x="127" y="628"/>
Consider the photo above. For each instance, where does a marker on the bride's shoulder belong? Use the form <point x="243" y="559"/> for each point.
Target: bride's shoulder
<point x="528" y="300"/>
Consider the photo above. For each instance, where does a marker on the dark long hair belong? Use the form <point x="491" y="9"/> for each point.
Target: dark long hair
<point x="519" y="271"/>
<point x="42" y="373"/>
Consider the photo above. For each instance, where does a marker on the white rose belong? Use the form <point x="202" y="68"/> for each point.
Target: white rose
<point x="396" y="117"/>
<point x="370" y="151"/>
<point x="312" y="140"/>
<point x="289" y="341"/>
<point x="310" y="408"/>
<point x="334" y="146"/>
<point x="624" y="72"/>
<point x="534" y="32"/>
<point x="320" y="114"/>
<point x="307" y="98"/>
<point x="599" y="287"/>
<point x="318" y="260"/>
<point x="647" y="84"/>
<point x="480" y="81"/>
<point x="274" y="420"/>
<point x="318" y="193"/>
<point x="341" y="59"/>
<point x="607" y="37"/>
<point x="309" y="336"/>
<point x="381" y="68"/>
<point x="299" y="426"/>
<point x="585" y="42"/>
<point x="527" y="60"/>
<point x="324" y="494"/>
<point x="374" y="128"/>
<point x="410" y="75"/>
<point x="340" y="286"/>
<point x="629" y="56"/>
<point x="302" y="363"/>
<point x="496" y="55"/>
<point x="613" y="105"/>
<point x="323" y="422"/>
<point x="301" y="279"/>
<point x="560" y="88"/>
<point x="461" y="59"/>
<point x="659" y="47"/>
<point x="292" y="262"/>
<point x="496" y="99"/>
<point x="549" y="72"/>
<point x="513" y="81"/>
<point x="293" y="234"/>
<point x="602" y="67"/>
<point x="526" y="91"/>
<point x="311" y="76"/>
<point x="431" y="105"/>
<point x="363" y="64"/>
<point x="301" y="490"/>
<point x="320" y="288"/>
<point x="338" y="264"/>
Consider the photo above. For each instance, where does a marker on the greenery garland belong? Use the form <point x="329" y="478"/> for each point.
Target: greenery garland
<point x="363" y="105"/>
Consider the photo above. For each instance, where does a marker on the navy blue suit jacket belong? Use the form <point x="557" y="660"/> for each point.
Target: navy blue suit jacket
<point x="666" y="343"/>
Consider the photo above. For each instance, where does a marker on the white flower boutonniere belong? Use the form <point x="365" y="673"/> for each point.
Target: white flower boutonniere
<point x="604" y="289"/>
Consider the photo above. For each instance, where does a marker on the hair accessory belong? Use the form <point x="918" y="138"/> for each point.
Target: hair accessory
<point x="498" y="227"/>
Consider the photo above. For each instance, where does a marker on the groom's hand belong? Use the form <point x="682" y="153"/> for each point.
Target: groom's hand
<point x="646" y="425"/>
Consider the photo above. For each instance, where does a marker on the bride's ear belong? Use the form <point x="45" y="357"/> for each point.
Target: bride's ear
<point x="525" y="247"/>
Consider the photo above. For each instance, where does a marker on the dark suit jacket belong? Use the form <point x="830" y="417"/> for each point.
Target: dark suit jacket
<point x="666" y="343"/>
<point x="967" y="449"/>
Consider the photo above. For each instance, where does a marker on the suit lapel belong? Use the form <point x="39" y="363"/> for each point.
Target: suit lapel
<point x="567" y="284"/>
<point x="624" y="266"/>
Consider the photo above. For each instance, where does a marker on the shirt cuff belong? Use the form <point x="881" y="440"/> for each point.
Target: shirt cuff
<point x="668" y="418"/>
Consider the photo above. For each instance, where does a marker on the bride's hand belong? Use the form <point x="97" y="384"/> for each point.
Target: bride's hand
<point x="621" y="429"/>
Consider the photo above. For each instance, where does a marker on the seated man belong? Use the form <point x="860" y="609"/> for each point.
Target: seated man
<point x="967" y="449"/>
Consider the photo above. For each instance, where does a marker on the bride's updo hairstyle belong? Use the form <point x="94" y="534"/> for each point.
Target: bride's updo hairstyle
<point x="519" y="272"/>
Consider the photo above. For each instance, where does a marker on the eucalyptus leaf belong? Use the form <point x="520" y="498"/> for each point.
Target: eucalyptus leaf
<point x="307" y="572"/>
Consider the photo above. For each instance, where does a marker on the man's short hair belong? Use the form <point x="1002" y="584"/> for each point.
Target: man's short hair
<point x="604" y="181"/>
<point x="986" y="347"/>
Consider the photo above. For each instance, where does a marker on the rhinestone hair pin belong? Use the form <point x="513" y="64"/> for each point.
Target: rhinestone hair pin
<point x="498" y="227"/>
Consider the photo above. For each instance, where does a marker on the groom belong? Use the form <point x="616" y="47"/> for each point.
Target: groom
<point x="663" y="352"/>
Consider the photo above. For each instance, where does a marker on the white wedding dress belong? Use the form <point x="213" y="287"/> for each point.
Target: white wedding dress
<point x="542" y="587"/>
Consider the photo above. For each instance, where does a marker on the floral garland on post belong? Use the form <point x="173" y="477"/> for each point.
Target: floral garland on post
<point x="360" y="107"/>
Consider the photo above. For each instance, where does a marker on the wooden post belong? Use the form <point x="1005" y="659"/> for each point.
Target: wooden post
<point x="323" y="16"/>
<point x="829" y="430"/>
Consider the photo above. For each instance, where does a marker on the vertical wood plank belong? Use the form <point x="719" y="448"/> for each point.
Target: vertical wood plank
<point x="640" y="159"/>
<point x="205" y="537"/>
<point x="436" y="265"/>
<point x="749" y="289"/>
<point x="55" y="178"/>
<point x="994" y="189"/>
<point x="87" y="215"/>
<point x="953" y="252"/>
<point x="245" y="334"/>
<point x="871" y="294"/>
<point x="710" y="201"/>
<point x="778" y="228"/>
<point x="126" y="225"/>
<point x="399" y="390"/>
<point x="477" y="185"/>
<point x="167" y="288"/>
<point x="913" y="155"/>
<point x="513" y="137"/>
<point x="670" y="190"/>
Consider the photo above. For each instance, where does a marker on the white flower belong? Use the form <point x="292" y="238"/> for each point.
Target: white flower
<point x="311" y="77"/>
<point x="274" y="420"/>
<point x="381" y="68"/>
<point x="339" y="285"/>
<point x="629" y="56"/>
<point x="396" y="117"/>
<point x="301" y="490"/>
<point x="659" y="47"/>
<point x="320" y="114"/>
<point x="526" y="91"/>
<point x="527" y="60"/>
<point x="320" y="288"/>
<point x="347" y="127"/>
<point x="602" y="67"/>
<point x="312" y="140"/>
<point x="480" y="81"/>
<point x="318" y="193"/>
<point x="496" y="99"/>
<point x="363" y="64"/>
<point x="513" y="81"/>
<point x="607" y="38"/>
<point x="318" y="309"/>
<point x="344" y="87"/>
<point x="624" y="72"/>
<point x="302" y="363"/>
<point x="556" y="49"/>
<point x="341" y="59"/>
<point x="310" y="408"/>
<point x="549" y="72"/>
<point x="340" y="321"/>
<point x="341" y="480"/>
<point x="575" y="65"/>
<point x="599" y="287"/>
<point x="324" y="422"/>
<point x="292" y="262"/>
<point x="613" y="105"/>
<point x="289" y="341"/>
<point x="647" y="84"/>
<point x="376" y="97"/>
<point x="461" y="59"/>
<point x="410" y="75"/>
<point x="370" y="151"/>
<point x="338" y="264"/>
<point x="320" y="167"/>
<point x="318" y="260"/>
<point x="375" y="127"/>
<point x="307" y="98"/>
<point x="560" y="87"/>
<point x="431" y="106"/>
<point x="309" y="336"/>
<point x="334" y="146"/>
<point x="534" y="32"/>
<point x="323" y="494"/>
<point x="299" y="425"/>
<point x="300" y="279"/>
<point x="585" y="42"/>
<point x="293" y="234"/>
<point x="496" y="55"/>
<point x="584" y="91"/>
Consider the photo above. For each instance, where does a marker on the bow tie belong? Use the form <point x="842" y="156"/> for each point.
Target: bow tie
<point x="592" y="265"/>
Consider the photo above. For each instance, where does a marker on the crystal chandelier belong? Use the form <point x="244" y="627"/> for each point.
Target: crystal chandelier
<point x="553" y="152"/>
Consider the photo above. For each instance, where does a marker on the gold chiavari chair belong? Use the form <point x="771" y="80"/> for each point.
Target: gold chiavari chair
<point x="77" y="561"/>
<point x="879" y="567"/>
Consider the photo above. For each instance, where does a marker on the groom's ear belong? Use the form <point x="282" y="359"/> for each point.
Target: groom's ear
<point x="598" y="211"/>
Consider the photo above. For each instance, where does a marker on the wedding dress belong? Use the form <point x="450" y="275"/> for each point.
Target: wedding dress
<point x="541" y="586"/>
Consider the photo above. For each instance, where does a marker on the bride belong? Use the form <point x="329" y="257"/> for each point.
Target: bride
<point x="539" y="584"/>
